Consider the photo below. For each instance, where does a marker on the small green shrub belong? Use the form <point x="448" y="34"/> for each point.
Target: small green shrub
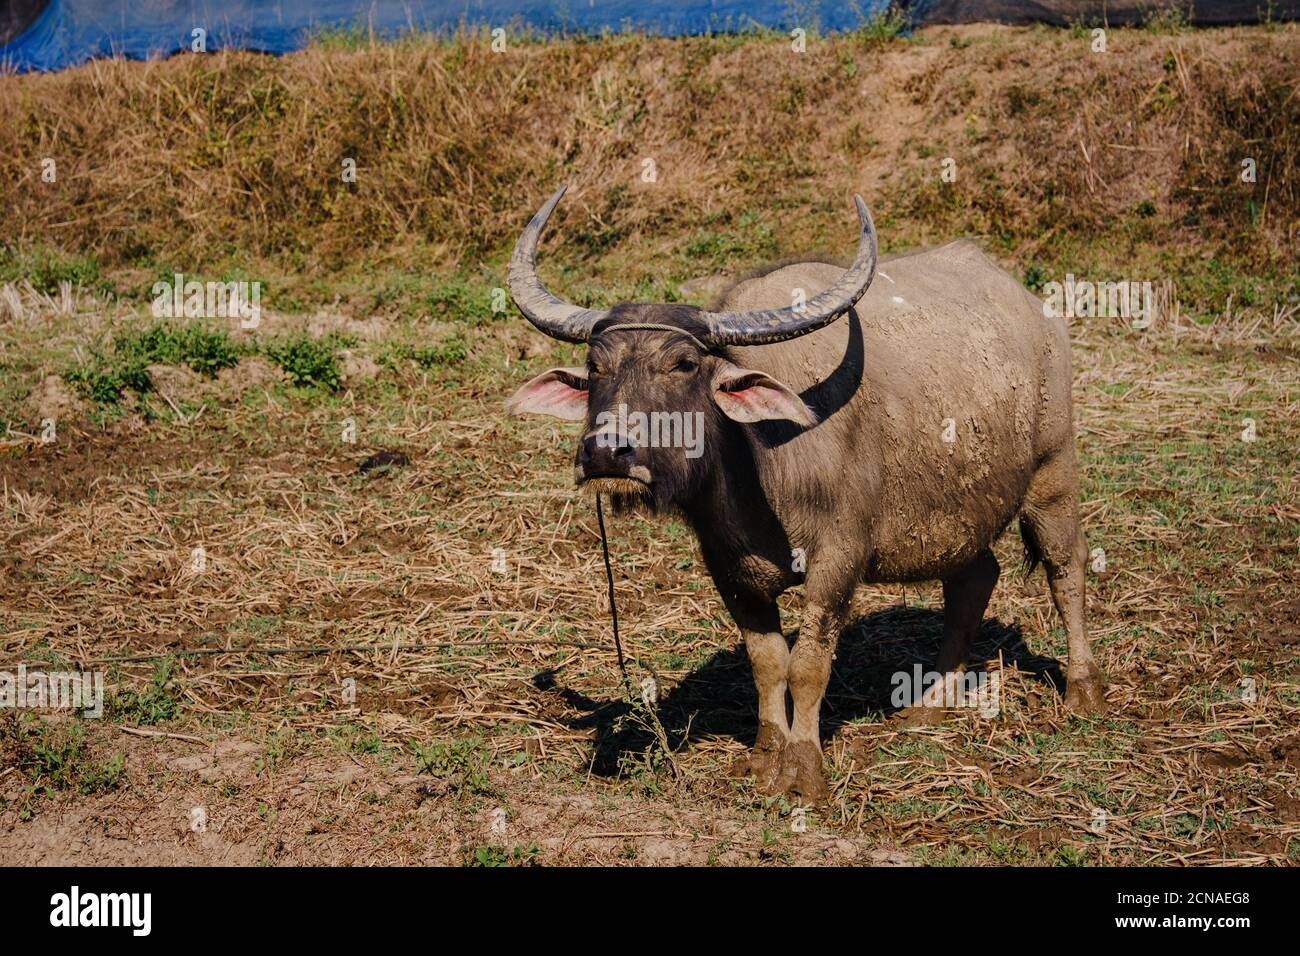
<point x="882" y="27"/>
<point x="152" y="705"/>
<point x="464" y="758"/>
<point x="1035" y="277"/>
<point x="309" y="363"/>
<point x="499" y="856"/>
<point x="203" y="348"/>
<point x="442" y="758"/>
<point x="103" y="380"/>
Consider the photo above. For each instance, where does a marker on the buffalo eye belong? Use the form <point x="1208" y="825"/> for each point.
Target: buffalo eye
<point x="686" y="365"/>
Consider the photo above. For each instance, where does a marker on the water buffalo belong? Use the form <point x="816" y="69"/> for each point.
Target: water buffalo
<point x="894" y="446"/>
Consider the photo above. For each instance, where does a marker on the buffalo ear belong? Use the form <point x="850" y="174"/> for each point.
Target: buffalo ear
<point x="561" y="392"/>
<point x="745" y="395"/>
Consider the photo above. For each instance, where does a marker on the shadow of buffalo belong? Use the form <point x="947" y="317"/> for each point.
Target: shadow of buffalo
<point x="718" y="698"/>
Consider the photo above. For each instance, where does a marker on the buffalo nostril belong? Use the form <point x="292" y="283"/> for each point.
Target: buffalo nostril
<point x="604" y="453"/>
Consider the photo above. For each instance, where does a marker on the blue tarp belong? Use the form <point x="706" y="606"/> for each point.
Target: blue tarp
<point x="69" y="32"/>
<point x="54" y="34"/>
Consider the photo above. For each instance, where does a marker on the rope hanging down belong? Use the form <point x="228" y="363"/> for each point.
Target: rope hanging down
<point x="609" y="580"/>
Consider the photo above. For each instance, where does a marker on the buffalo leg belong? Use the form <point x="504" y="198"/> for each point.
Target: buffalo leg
<point x="769" y="656"/>
<point x="802" y="772"/>
<point x="1050" y="521"/>
<point x="965" y="596"/>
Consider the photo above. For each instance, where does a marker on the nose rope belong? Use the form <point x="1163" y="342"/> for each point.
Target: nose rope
<point x="609" y="580"/>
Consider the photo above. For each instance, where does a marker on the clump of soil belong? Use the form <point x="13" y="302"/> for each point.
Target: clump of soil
<point x="251" y="372"/>
<point x="356" y="367"/>
<point x="53" y="399"/>
<point x="180" y="383"/>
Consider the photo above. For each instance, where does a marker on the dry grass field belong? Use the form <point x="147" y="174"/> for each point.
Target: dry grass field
<point x="373" y="658"/>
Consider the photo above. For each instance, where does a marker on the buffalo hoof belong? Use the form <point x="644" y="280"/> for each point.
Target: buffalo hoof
<point x="1086" y="695"/>
<point x="803" y="774"/>
<point x="763" y="763"/>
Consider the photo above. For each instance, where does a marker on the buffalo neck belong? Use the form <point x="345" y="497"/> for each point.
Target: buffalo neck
<point x="729" y="509"/>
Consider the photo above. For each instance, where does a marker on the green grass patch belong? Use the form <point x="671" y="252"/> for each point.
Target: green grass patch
<point x="450" y="351"/>
<point x="108" y="373"/>
<point x="500" y="856"/>
<point x="47" y="268"/>
<point x="55" y="758"/>
<point x="205" y="349"/>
